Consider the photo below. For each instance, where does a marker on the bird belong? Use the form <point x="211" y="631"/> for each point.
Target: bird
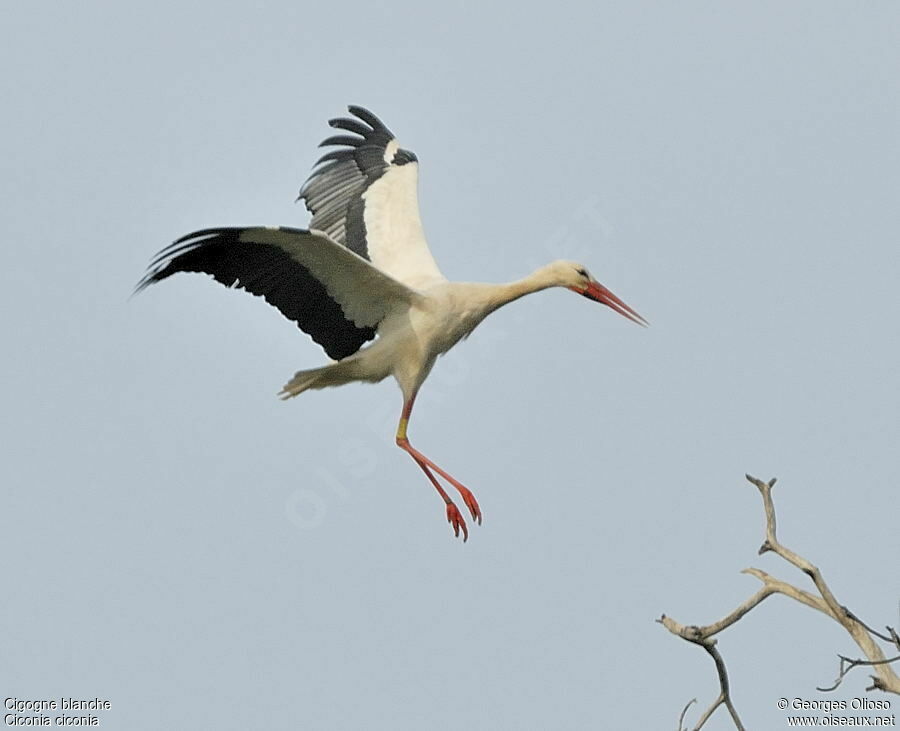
<point x="362" y="271"/>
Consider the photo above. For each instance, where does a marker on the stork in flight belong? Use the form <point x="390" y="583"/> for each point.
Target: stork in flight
<point x="363" y="272"/>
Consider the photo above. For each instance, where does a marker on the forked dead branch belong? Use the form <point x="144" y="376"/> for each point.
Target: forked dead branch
<point x="822" y="599"/>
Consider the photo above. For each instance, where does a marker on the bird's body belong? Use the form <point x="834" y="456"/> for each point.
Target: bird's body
<point x="412" y="337"/>
<point x="364" y="271"/>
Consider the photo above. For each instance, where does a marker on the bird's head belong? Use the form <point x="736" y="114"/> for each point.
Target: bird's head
<point x="575" y="276"/>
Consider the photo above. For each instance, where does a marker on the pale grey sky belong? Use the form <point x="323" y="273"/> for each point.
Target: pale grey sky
<point x="180" y="542"/>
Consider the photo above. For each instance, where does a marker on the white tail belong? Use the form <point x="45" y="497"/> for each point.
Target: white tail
<point x="337" y="374"/>
<point x="301" y="381"/>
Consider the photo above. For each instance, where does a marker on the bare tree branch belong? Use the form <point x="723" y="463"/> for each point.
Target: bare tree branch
<point x="822" y="601"/>
<point x="698" y="637"/>
<point x="789" y="590"/>
<point x="725" y="691"/>
<point x="886" y="678"/>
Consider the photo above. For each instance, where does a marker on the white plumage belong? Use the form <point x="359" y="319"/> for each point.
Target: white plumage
<point x="364" y="269"/>
<point x="394" y="229"/>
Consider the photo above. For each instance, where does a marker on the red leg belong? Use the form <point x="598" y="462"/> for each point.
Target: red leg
<point x="466" y="493"/>
<point x="452" y="513"/>
<point x="454" y="517"/>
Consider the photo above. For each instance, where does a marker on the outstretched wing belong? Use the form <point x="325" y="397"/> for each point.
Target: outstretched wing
<point x="364" y="196"/>
<point x="332" y="294"/>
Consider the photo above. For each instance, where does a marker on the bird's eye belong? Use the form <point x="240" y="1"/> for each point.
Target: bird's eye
<point x="583" y="272"/>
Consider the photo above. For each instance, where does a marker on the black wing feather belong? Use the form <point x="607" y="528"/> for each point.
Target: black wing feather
<point x="342" y="140"/>
<point x="267" y="271"/>
<point x="370" y="119"/>
<point x="350" y="125"/>
<point x="333" y="191"/>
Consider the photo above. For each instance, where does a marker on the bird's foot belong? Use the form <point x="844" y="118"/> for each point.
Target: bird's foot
<point x="454" y="517"/>
<point x="471" y="503"/>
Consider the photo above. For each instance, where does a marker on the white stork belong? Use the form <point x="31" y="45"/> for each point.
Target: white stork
<point x="363" y="269"/>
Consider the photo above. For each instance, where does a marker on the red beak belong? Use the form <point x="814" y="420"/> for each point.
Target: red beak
<point x="601" y="294"/>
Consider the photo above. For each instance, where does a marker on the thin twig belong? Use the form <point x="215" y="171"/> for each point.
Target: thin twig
<point x="879" y="635"/>
<point x="847" y="664"/>
<point x="683" y="713"/>
<point x="895" y="638"/>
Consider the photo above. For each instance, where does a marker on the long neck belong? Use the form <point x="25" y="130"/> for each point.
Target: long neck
<point x="503" y="294"/>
